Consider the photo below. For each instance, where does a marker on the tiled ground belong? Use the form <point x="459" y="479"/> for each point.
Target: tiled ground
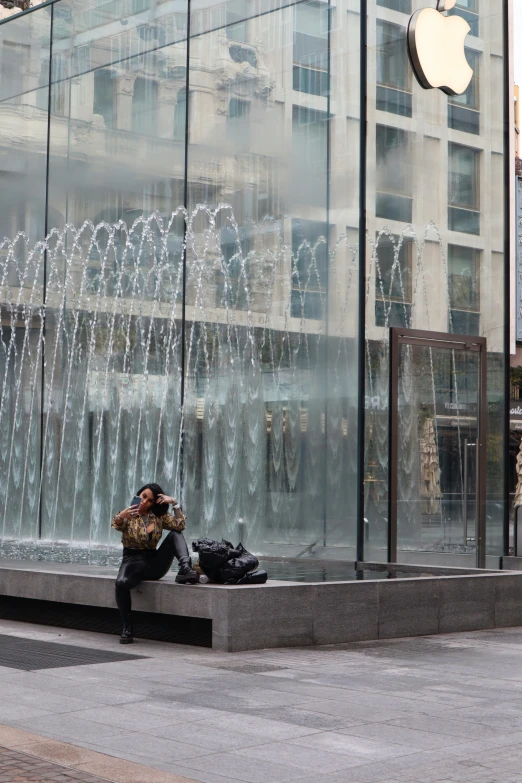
<point x="424" y="710"/>
<point x="16" y="767"/>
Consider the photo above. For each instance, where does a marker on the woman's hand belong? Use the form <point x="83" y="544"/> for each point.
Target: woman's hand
<point x="129" y="513"/>
<point x="166" y="499"/>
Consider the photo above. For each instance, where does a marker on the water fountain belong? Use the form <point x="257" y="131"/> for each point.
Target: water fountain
<point x="132" y="353"/>
<point x="149" y="351"/>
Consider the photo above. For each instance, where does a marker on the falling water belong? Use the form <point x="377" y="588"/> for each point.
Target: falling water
<point x="148" y="353"/>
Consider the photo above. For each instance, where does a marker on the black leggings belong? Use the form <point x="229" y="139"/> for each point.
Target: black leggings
<point x="146" y="564"/>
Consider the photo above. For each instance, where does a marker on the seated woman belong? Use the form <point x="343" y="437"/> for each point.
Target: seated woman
<point x="142" y="527"/>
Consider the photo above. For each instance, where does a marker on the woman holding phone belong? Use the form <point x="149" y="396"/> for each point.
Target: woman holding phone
<point x="142" y="525"/>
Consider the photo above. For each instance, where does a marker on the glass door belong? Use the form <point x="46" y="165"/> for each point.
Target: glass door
<point x="437" y="447"/>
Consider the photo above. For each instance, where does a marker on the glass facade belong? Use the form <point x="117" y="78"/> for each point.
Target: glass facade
<point x="435" y="193"/>
<point x="191" y="226"/>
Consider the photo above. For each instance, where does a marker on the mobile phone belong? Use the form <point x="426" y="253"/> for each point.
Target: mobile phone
<point x="136" y="501"/>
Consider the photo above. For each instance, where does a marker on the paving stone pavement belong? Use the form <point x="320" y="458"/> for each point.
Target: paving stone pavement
<point x="16" y="767"/>
<point x="444" y="709"/>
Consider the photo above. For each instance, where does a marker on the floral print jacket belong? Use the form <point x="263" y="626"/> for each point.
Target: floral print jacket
<point x="134" y="531"/>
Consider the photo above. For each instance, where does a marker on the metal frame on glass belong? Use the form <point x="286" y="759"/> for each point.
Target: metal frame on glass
<point x="418" y="337"/>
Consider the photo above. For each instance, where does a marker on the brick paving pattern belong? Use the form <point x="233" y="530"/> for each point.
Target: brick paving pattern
<point x="18" y="767"/>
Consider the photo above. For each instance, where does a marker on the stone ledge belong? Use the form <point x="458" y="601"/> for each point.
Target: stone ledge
<point x="512" y="563"/>
<point x="287" y="614"/>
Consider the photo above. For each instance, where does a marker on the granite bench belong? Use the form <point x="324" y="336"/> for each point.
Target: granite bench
<point x="284" y="614"/>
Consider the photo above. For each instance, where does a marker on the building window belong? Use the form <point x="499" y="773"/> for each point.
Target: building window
<point x="404" y="6"/>
<point x="59" y="85"/>
<point x="468" y="9"/>
<point x="310" y="74"/>
<point x="309" y="268"/>
<point x="231" y="286"/>
<point x="463" y="110"/>
<point x="393" y="281"/>
<point x="180" y="115"/>
<point x="464" y="293"/>
<point x="463" y="277"/>
<point x="13" y="60"/>
<point x="463" y="189"/>
<point x="236" y="14"/>
<point x="464" y="322"/>
<point x="393" y="174"/>
<point x="310" y="133"/>
<point x="42" y="94"/>
<point x="101" y="13"/>
<point x="392" y="59"/>
<point x="144" y="105"/>
<point x="393" y="72"/>
<point x="238" y="109"/>
<point x="103" y="103"/>
<point x="238" y="123"/>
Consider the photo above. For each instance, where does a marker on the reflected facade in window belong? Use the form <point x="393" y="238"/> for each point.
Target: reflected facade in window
<point x="393" y="171"/>
<point x="393" y="70"/>
<point x="463" y="189"/>
<point x="464" y="110"/>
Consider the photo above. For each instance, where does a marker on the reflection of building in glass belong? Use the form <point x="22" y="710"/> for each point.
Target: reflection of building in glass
<point x="264" y="326"/>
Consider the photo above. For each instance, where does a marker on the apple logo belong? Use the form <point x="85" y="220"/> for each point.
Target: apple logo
<point x="436" y="49"/>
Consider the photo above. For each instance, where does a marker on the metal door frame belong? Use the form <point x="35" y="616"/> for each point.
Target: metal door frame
<point x="458" y="342"/>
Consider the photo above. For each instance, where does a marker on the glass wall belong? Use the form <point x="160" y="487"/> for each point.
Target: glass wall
<point x="192" y="317"/>
<point x="181" y="275"/>
<point x="24" y="90"/>
<point x="435" y="207"/>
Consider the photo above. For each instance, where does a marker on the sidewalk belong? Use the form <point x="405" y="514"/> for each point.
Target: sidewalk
<point x="20" y="767"/>
<point x="445" y="709"/>
<point x="27" y="757"/>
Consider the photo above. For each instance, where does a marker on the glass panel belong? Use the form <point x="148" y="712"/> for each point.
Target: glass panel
<point x="271" y="98"/>
<point x="24" y="98"/>
<point x="437" y="447"/>
<point x="425" y="186"/>
<point x="252" y="419"/>
<point x="270" y="356"/>
<point x="112" y="380"/>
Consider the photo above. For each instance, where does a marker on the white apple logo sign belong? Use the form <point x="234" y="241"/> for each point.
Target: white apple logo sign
<point x="436" y="49"/>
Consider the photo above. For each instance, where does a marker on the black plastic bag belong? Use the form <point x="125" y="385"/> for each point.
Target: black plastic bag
<point x="239" y="564"/>
<point x="212" y="553"/>
<point x="222" y="562"/>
